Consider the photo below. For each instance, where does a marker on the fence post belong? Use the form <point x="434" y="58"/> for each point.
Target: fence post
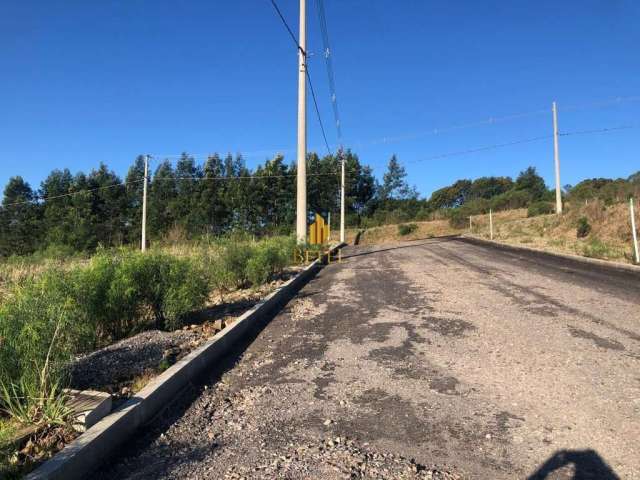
<point x="633" y="230"/>
<point x="470" y="226"/>
<point x="490" y="224"/>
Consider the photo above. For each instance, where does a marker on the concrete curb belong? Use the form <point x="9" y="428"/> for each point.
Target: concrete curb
<point x="91" y="448"/>
<point x="576" y="259"/>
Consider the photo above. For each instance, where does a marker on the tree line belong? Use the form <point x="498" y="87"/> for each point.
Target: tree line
<point x="84" y="210"/>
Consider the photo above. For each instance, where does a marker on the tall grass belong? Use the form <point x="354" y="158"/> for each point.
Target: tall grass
<point x="48" y="317"/>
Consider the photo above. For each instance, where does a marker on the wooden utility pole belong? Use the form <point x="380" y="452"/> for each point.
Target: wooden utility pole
<point x="556" y="156"/>
<point x="301" y="206"/>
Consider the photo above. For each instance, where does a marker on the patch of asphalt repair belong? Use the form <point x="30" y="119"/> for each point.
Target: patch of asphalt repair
<point x="427" y="359"/>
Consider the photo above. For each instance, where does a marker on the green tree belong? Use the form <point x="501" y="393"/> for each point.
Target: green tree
<point x="186" y="206"/>
<point x="133" y="194"/>
<point x="394" y="184"/>
<point x="162" y="194"/>
<point x="20" y="219"/>
<point x="212" y="196"/>
<point x="58" y="222"/>
<point x="108" y="205"/>
<point x="487" y="187"/>
<point x="529" y="181"/>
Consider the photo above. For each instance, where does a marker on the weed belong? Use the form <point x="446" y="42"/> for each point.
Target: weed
<point x="407" y="228"/>
<point x="583" y="228"/>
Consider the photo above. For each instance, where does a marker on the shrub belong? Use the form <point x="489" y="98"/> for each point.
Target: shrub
<point x="583" y="228"/>
<point x="235" y="257"/>
<point x="510" y="200"/>
<point x="407" y="228"/>
<point x="269" y="258"/>
<point x="154" y="287"/>
<point x="459" y="217"/>
<point x="540" y="208"/>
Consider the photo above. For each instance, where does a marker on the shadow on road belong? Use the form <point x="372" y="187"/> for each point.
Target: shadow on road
<point x="587" y="465"/>
<point x="427" y="241"/>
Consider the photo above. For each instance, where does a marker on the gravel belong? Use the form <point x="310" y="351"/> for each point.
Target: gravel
<point x="122" y="362"/>
<point x="221" y="423"/>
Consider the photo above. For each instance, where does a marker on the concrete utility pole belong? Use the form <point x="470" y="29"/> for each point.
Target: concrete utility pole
<point x="633" y="229"/>
<point x="490" y="224"/>
<point x="301" y="209"/>
<point x="556" y="155"/>
<point x="342" y="195"/>
<point x="144" y="203"/>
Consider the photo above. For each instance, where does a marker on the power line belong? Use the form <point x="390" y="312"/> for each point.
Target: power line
<point x="599" y="130"/>
<point x="315" y="103"/>
<point x="286" y="25"/>
<point x="304" y="53"/>
<point x="53" y="197"/>
<point x="329" y="64"/>
<point x="518" y="142"/>
<point x="172" y="179"/>
<point x="482" y="149"/>
<point x="242" y="177"/>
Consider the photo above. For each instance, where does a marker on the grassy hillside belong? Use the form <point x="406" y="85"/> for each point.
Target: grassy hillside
<point x="393" y="233"/>
<point x="609" y="238"/>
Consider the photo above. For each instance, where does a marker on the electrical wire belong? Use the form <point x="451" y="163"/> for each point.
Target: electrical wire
<point x="322" y="18"/>
<point x="53" y="197"/>
<point x="599" y="130"/>
<point x="286" y="25"/>
<point x="306" y="69"/>
<point x="518" y="142"/>
<point x="242" y="177"/>
<point x="482" y="149"/>
<point x="315" y="103"/>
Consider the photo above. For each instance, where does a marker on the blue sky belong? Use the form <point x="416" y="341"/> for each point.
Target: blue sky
<point x="84" y="82"/>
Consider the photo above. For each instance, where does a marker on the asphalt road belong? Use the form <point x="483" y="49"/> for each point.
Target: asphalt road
<point x="471" y="360"/>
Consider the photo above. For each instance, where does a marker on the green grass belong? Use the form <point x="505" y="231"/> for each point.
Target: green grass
<point x="596" y="248"/>
<point x="54" y="313"/>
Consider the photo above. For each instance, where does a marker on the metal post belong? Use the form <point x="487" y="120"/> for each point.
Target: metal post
<point x="633" y="229"/>
<point x="490" y="224"/>
<point x="556" y="156"/>
<point x="342" y="196"/>
<point x="144" y="203"/>
<point x="301" y="210"/>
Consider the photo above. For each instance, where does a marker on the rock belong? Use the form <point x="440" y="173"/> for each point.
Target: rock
<point x="327" y="422"/>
